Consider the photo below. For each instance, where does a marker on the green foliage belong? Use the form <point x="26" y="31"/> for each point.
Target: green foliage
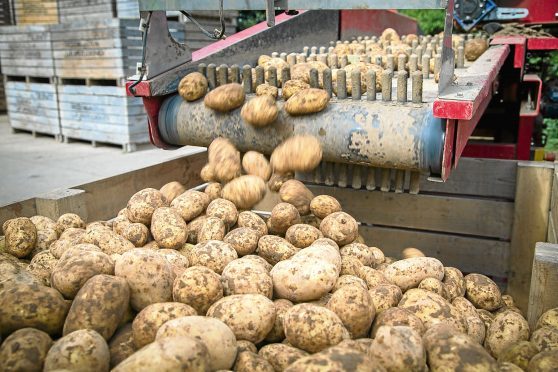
<point x="551" y="132"/>
<point x="430" y="21"/>
<point x="248" y="18"/>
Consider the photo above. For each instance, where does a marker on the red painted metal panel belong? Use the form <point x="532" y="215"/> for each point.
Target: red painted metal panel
<point x="152" y="106"/>
<point x="520" y="46"/>
<point x="374" y="22"/>
<point x="532" y="79"/>
<point x="490" y="151"/>
<point x="447" y="158"/>
<point x="542" y="43"/>
<point x="540" y="11"/>
<point x="524" y="135"/>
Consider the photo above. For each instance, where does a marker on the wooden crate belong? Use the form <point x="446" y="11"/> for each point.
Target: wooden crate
<point x="3" y="105"/>
<point x="100" y="49"/>
<point x="92" y="111"/>
<point x="26" y="51"/>
<point x="6" y="13"/>
<point x="33" y="105"/>
<point x="31" y="12"/>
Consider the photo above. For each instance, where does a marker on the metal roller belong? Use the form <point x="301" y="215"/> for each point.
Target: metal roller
<point x="359" y="132"/>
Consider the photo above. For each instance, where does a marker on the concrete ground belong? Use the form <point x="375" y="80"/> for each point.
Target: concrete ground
<point x="32" y="166"/>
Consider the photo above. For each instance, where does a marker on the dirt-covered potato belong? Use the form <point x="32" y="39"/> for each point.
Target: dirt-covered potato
<point x="307" y="101"/>
<point x="433" y="285"/>
<point x="506" y="329"/>
<point x="280" y="355"/>
<point x="168" y="228"/>
<point x="519" y="354"/>
<point x="213" y="333"/>
<point x="212" y="228"/>
<point x="409" y="272"/>
<point x="68" y="238"/>
<point x="44" y="223"/>
<point x="244" y="240"/>
<point x="225" y="159"/>
<point x="246" y="277"/>
<point x="267" y="90"/>
<point x="454" y="283"/>
<point x="299" y="153"/>
<point x="389" y="34"/>
<point x="180" y="353"/>
<point x="73" y="270"/>
<point x="411" y="252"/>
<point x="142" y="205"/>
<point x="483" y="292"/>
<point x="336" y="358"/>
<point x="475" y="48"/>
<point x="31" y="305"/>
<point x="359" y="251"/>
<point x="224" y="209"/>
<point x="348" y="280"/>
<point x="249" y="316"/>
<point x="398" y="348"/>
<point x="277" y="333"/>
<point x="119" y="223"/>
<point x="83" y="350"/>
<point x="545" y="338"/>
<point x="248" y="361"/>
<point x="109" y="241"/>
<point x="396" y="316"/>
<point x="150" y="319"/>
<point x="171" y="190"/>
<point x="190" y="204"/>
<point x="292" y="87"/>
<point x="371" y="277"/>
<point x="354" y="306"/>
<point x="283" y="216"/>
<point x="177" y="260"/>
<point x="259" y="260"/>
<point x="121" y="345"/>
<point x="339" y="227"/>
<point x="90" y="310"/>
<point x="245" y="191"/>
<point x="296" y="193"/>
<point x="192" y="86"/>
<point x="225" y="97"/>
<point x="20" y="237"/>
<point x="24" y="350"/>
<point x="194" y="227"/>
<point x="313" y="328"/>
<point x="252" y="221"/>
<point x="44" y="239"/>
<point x="275" y="249"/>
<point x="256" y="164"/>
<point x="324" y="205"/>
<point x="198" y="287"/>
<point x="213" y="190"/>
<point x="385" y="296"/>
<point x="548" y="319"/>
<point x="136" y="233"/>
<point x="260" y="111"/>
<point x="277" y="179"/>
<point x="207" y="173"/>
<point x="68" y="220"/>
<point x="213" y="254"/>
<point x="41" y="266"/>
<point x="545" y="361"/>
<point x="139" y="266"/>
<point x="302" y="235"/>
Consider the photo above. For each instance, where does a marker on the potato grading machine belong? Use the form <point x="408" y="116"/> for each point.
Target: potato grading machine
<point x="417" y="123"/>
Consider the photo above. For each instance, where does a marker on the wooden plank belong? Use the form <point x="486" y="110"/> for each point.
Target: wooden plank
<point x="106" y="137"/>
<point x="471" y="216"/>
<point x="24" y="208"/>
<point x="485" y="256"/>
<point x="58" y="202"/>
<point x="530" y="223"/>
<point x="543" y="293"/>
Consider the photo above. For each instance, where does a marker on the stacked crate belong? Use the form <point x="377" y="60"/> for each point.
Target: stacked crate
<point x="32" y="12"/>
<point x="6" y="19"/>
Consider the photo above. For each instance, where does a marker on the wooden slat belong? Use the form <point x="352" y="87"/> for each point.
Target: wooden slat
<point x="478" y="217"/>
<point x="24" y="208"/>
<point x="543" y="293"/>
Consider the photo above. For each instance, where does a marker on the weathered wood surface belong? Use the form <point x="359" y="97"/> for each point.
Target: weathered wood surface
<point x="56" y="203"/>
<point x="530" y="224"/>
<point x="36" y="11"/>
<point x="543" y="293"/>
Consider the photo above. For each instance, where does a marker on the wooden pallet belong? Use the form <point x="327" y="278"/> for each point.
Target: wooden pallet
<point x="99" y="111"/>
<point x="33" y="105"/>
<point x="31" y="12"/>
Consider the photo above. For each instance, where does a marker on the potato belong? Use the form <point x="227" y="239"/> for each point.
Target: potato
<point x="24" y="350"/>
<point x="281" y="356"/>
<point x="245" y="191"/>
<point x="267" y="90"/>
<point x="313" y="328"/>
<point x="20" y="237"/>
<point x="244" y="240"/>
<point x="354" y="306"/>
<point x="139" y="267"/>
<point x="91" y="310"/>
<point x="68" y="220"/>
<point x="192" y="86"/>
<point x="250" y="316"/>
<point x="109" y="241"/>
<point x="476" y="328"/>
<point x="248" y="361"/>
<point x="213" y="333"/>
<point x="486" y="316"/>
<point x="213" y="254"/>
<point x="412" y="252"/>
<point x="277" y="179"/>
<point x="324" y="205"/>
<point x="260" y="111"/>
<point x="244" y="345"/>
<point x="225" y="98"/>
<point x="548" y="319"/>
<point x="168" y="228"/>
<point x="483" y="292"/>
<point x="339" y="227"/>
<point x="409" y="272"/>
<point x="545" y="361"/>
<point x="171" y="190"/>
<point x="121" y="345"/>
<point x="432" y="309"/>
<point x="464" y="306"/>
<point x="41" y="266"/>
<point x="33" y="306"/>
<point x="508" y="367"/>
<point x="190" y="204"/>
<point x="212" y="228"/>
<point x="276" y="62"/>
<point x="296" y="193"/>
<point x="136" y="233"/>
<point x="252" y="221"/>
<point x="302" y="236"/>
<point x="178" y="262"/>
<point x="283" y="216"/>
<point x="72" y="271"/>
<point x="259" y="260"/>
<point x="519" y="354"/>
<point x="454" y="283"/>
<point x="475" y="48"/>
<point x="198" y="287"/>
<point x="119" y="223"/>
<point x="194" y="229"/>
<point x="83" y="350"/>
<point x="307" y="101"/>
<point x="168" y="354"/>
<point x="385" y="296"/>
<point x="292" y="87"/>
<point x="545" y="338"/>
<point x="359" y="251"/>
<point x="213" y="190"/>
<point x="298" y="153"/>
<point x="398" y="348"/>
<point x="44" y="223"/>
<point x="256" y="164"/>
<point x="433" y="285"/>
<point x="263" y="59"/>
<point x="371" y="277"/>
<point x="44" y="239"/>
<point x="389" y="34"/>
<point x="506" y="329"/>
<point x="143" y="203"/>
<point x="396" y="316"/>
<point x="224" y="209"/>
<point x="349" y="280"/>
<point x="352" y="266"/>
<point x="277" y="333"/>
<point x="336" y="358"/>
<point x="246" y="277"/>
<point x="207" y="173"/>
<point x="225" y="159"/>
